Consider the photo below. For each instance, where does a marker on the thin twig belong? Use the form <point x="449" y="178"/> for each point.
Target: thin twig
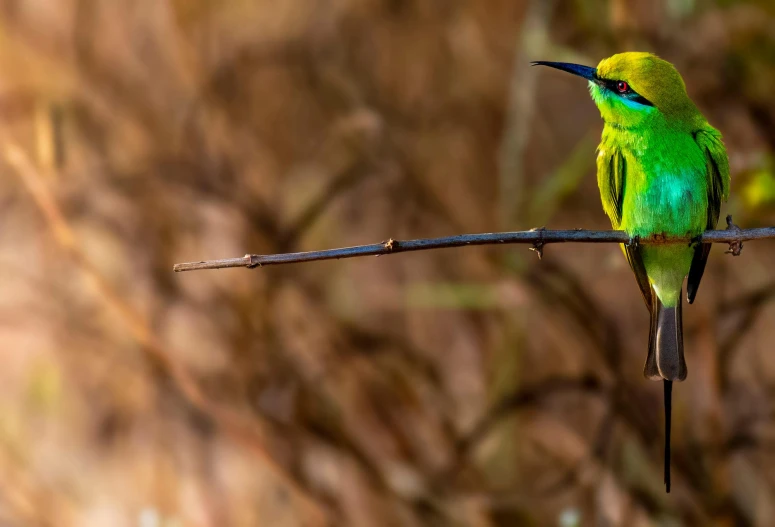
<point x="536" y="238"/>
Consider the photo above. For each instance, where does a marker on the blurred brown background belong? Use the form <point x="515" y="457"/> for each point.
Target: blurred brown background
<point x="469" y="387"/>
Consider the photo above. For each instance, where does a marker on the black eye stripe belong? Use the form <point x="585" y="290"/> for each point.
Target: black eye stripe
<point x="639" y="99"/>
<point x="611" y="85"/>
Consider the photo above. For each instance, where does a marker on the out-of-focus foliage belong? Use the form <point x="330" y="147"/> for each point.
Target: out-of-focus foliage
<point x="760" y="189"/>
<point x="470" y="387"/>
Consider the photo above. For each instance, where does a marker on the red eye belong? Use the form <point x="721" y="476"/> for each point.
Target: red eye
<point x="622" y="86"/>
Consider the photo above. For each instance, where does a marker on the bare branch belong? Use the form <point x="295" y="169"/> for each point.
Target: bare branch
<point x="538" y="238"/>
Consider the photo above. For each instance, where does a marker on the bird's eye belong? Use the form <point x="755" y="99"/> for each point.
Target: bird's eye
<point x="622" y="86"/>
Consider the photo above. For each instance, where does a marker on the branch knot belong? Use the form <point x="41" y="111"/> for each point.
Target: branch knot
<point x="538" y="246"/>
<point x="254" y="261"/>
<point x="736" y="246"/>
<point x="390" y="244"/>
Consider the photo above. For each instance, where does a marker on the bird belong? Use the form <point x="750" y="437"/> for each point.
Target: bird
<point x="661" y="170"/>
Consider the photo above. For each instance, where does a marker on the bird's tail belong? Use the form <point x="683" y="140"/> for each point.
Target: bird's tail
<point x="668" y="411"/>
<point x="665" y="360"/>
<point x="666" y="343"/>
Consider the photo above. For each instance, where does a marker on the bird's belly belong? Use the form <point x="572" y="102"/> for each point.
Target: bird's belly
<point x="670" y="205"/>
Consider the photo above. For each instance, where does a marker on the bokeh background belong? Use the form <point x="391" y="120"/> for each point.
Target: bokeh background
<point x="468" y="387"/>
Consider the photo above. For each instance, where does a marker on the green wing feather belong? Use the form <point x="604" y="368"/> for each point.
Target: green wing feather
<point x="717" y="170"/>
<point x="611" y="179"/>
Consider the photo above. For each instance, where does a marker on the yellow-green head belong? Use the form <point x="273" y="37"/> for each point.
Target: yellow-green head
<point x="634" y="89"/>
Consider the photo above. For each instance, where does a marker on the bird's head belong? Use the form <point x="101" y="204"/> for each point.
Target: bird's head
<point x="632" y="88"/>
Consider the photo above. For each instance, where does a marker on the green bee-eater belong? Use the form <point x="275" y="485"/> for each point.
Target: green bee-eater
<point x="661" y="169"/>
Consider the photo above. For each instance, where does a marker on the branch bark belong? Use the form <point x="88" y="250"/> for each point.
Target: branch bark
<point x="732" y="235"/>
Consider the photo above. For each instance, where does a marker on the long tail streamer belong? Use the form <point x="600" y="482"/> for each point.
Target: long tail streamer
<point x="668" y="411"/>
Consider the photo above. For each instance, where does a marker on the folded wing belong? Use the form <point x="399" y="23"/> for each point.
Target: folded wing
<point x="717" y="170"/>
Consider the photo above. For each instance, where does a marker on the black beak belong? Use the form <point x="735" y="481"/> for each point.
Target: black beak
<point x="576" y="69"/>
